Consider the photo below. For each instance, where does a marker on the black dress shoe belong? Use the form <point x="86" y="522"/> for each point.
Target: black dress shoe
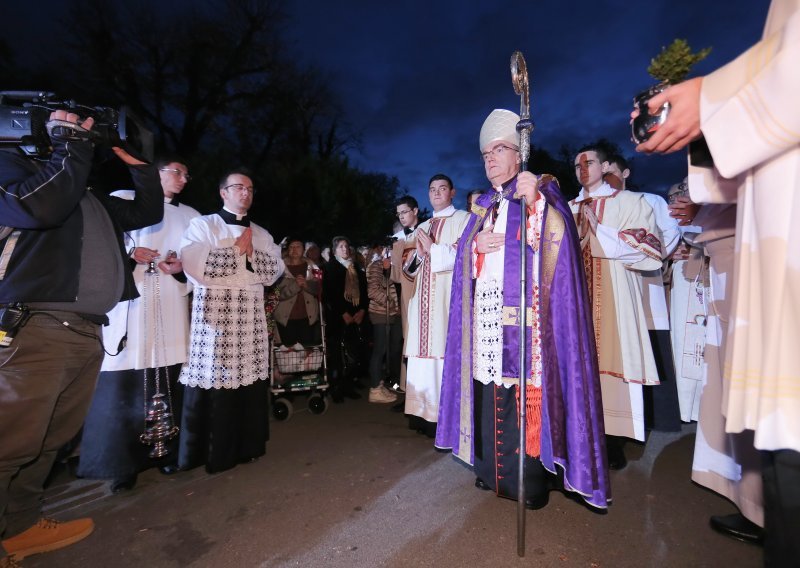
<point x="615" y="450"/>
<point x="616" y="456"/>
<point x="169" y="469"/>
<point x="123" y="484"/>
<point x="536" y="503"/>
<point x="399" y="407"/>
<point x="738" y="527"/>
<point x="481" y="484"/>
<point x="617" y="462"/>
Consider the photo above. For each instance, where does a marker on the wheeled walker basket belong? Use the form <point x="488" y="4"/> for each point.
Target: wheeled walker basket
<point x="296" y="371"/>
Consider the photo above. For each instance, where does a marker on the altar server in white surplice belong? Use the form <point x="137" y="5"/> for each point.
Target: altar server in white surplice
<point x="619" y="240"/>
<point x="156" y="326"/>
<point x="229" y="260"/>
<point x="664" y="409"/>
<point x="431" y="267"/>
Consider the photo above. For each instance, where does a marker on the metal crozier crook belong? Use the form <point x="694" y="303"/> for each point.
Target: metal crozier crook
<point x="519" y="77"/>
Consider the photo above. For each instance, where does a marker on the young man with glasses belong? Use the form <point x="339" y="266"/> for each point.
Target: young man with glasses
<point x="408" y="216"/>
<point x="156" y="346"/>
<point x="229" y="260"/>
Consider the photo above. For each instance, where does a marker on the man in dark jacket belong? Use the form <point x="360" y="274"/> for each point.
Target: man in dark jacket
<point x="62" y="267"/>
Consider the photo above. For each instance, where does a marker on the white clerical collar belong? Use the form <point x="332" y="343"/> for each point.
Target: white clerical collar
<point x="446" y="212"/>
<point x="237" y="215"/>
<point x="604" y="190"/>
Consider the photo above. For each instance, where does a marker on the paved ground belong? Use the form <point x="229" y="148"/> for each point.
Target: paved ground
<point x="355" y="487"/>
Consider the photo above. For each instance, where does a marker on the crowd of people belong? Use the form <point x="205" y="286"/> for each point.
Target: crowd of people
<point x="526" y="322"/>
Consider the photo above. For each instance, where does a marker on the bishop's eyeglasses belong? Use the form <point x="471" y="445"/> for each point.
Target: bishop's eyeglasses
<point x="497" y="151"/>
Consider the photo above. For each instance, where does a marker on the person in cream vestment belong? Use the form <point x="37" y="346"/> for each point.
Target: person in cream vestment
<point x="749" y="116"/>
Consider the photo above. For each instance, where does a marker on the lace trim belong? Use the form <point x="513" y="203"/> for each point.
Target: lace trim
<point x="228" y="343"/>
<point x="220" y="263"/>
<point x="265" y="265"/>
<point x="488" y="332"/>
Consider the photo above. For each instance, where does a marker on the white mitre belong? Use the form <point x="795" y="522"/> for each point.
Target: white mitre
<point x="500" y="125"/>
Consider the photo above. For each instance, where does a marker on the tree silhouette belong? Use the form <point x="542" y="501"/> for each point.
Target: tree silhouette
<point x="216" y="84"/>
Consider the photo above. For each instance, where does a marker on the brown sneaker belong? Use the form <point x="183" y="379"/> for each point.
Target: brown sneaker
<point x="381" y="394"/>
<point x="47" y="535"/>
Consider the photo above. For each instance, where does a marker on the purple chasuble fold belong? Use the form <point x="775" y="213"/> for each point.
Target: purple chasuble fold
<point x="572" y="416"/>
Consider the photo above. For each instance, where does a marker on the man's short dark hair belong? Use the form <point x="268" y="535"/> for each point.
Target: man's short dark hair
<point x="166" y="159"/>
<point x="621" y="162"/>
<point x="407" y="200"/>
<point x="295" y="239"/>
<point x="442" y="177"/>
<point x="602" y="155"/>
<point x="241" y="171"/>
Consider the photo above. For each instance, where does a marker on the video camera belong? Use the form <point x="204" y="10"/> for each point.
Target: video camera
<point x="24" y="117"/>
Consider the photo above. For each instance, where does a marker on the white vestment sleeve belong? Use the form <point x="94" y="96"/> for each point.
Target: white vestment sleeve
<point x="442" y="257"/>
<point x="749" y="112"/>
<point x="615" y="248"/>
<point x="670" y="230"/>
<point x="209" y="260"/>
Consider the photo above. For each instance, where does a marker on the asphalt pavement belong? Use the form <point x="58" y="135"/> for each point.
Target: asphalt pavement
<point x="354" y="487"/>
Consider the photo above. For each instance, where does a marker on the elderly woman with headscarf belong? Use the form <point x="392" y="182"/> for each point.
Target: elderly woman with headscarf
<point x="346" y="301"/>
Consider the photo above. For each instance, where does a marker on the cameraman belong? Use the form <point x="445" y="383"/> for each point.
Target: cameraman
<point x="54" y="294"/>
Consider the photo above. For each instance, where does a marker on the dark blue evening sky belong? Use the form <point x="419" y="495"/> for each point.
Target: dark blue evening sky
<point x="417" y="78"/>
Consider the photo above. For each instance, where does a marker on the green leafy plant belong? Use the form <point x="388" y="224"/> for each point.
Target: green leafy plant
<point x="672" y="65"/>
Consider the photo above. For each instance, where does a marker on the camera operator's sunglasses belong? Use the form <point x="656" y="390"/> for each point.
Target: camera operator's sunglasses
<point x="186" y="176"/>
